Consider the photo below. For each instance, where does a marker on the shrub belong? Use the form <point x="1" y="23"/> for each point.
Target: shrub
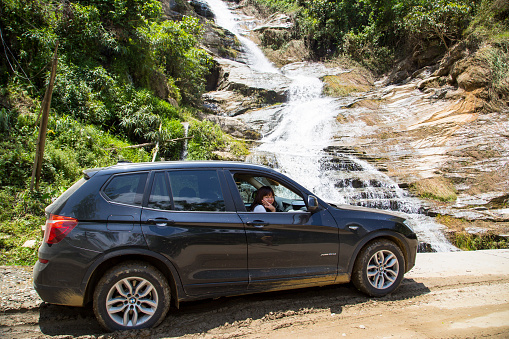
<point x="207" y="137"/>
<point x="473" y="242"/>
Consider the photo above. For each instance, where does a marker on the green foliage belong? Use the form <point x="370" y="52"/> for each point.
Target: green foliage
<point x="171" y="129"/>
<point x="175" y="42"/>
<point x="5" y="120"/>
<point x="284" y="6"/>
<point x="207" y="137"/>
<point x="499" y="64"/>
<point x="125" y="76"/>
<point x="365" y="47"/>
<point x="375" y="32"/>
<point x="20" y="220"/>
<point x="491" y="21"/>
<point x="117" y="60"/>
<point x="25" y="30"/>
<point x="473" y="242"/>
<point x="438" y="19"/>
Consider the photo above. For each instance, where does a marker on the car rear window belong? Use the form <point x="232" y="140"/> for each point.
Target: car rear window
<point x="126" y="189"/>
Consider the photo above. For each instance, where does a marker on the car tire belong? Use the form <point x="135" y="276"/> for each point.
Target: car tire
<point x="132" y="295"/>
<point x="379" y="268"/>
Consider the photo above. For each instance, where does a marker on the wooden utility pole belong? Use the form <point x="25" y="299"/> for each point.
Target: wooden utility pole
<point x="43" y="127"/>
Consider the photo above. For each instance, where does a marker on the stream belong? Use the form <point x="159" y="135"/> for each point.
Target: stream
<point x="303" y="139"/>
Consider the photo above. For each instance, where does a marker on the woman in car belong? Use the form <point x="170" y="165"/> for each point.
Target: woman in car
<point x="264" y="200"/>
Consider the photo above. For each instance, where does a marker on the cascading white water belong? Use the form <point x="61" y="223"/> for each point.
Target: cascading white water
<point x="184" y="149"/>
<point x="299" y="144"/>
<point x="224" y="18"/>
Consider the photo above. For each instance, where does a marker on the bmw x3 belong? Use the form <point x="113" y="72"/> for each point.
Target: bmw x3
<point x="133" y="239"/>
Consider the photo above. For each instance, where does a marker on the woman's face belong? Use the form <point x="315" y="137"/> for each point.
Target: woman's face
<point x="269" y="198"/>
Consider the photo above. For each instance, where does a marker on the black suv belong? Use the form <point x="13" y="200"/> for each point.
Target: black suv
<point x="133" y="238"/>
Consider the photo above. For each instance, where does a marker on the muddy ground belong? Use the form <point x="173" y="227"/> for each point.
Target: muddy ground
<point x="434" y="301"/>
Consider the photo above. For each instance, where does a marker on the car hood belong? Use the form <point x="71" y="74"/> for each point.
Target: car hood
<point x="362" y="209"/>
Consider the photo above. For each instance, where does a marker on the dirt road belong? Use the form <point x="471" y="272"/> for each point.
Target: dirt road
<point x="447" y="295"/>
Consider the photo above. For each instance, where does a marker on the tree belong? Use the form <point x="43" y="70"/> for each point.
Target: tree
<point x="438" y="19"/>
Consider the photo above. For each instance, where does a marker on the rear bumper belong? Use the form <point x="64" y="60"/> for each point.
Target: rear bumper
<point x="56" y="293"/>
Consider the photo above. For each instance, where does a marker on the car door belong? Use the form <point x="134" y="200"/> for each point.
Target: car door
<point x="189" y="218"/>
<point x="289" y="246"/>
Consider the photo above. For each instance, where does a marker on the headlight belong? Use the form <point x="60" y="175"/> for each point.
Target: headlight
<point x="406" y="222"/>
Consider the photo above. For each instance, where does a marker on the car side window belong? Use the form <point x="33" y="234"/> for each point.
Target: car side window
<point x="160" y="193"/>
<point x="196" y="191"/>
<point x="287" y="200"/>
<point x="127" y="188"/>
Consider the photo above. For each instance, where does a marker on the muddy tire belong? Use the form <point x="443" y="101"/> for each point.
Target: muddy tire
<point x="379" y="268"/>
<point x="132" y="295"/>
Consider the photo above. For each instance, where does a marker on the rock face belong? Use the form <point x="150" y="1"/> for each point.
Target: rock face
<point x="239" y="89"/>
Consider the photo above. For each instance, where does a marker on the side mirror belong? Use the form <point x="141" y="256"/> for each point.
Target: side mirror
<point x="312" y="204"/>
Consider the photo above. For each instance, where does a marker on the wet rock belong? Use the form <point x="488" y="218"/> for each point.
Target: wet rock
<point x="229" y="103"/>
<point x="176" y="9"/>
<point x="202" y="8"/>
<point x="429" y="82"/>
<point x="275" y="31"/>
<point x="424" y="247"/>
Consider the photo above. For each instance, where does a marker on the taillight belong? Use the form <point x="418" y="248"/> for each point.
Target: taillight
<point x="57" y="227"/>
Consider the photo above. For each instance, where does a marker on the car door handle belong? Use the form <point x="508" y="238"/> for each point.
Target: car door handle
<point x="160" y="222"/>
<point x="257" y="223"/>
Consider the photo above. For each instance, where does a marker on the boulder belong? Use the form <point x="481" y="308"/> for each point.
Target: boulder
<point x="202" y="8"/>
<point x="176" y="9"/>
<point x="234" y="127"/>
<point x="473" y="77"/>
<point x="220" y="42"/>
<point x="456" y="53"/>
<point x="276" y="21"/>
<point x="229" y="103"/>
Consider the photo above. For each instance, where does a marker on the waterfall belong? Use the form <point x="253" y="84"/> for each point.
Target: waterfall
<point x="184" y="149"/>
<point x="226" y="19"/>
<point x="304" y="142"/>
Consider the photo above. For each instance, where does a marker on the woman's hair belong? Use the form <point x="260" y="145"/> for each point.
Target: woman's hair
<point x="260" y="193"/>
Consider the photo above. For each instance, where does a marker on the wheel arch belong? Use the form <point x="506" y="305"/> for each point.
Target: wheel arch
<point x="388" y="235"/>
<point x="109" y="260"/>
